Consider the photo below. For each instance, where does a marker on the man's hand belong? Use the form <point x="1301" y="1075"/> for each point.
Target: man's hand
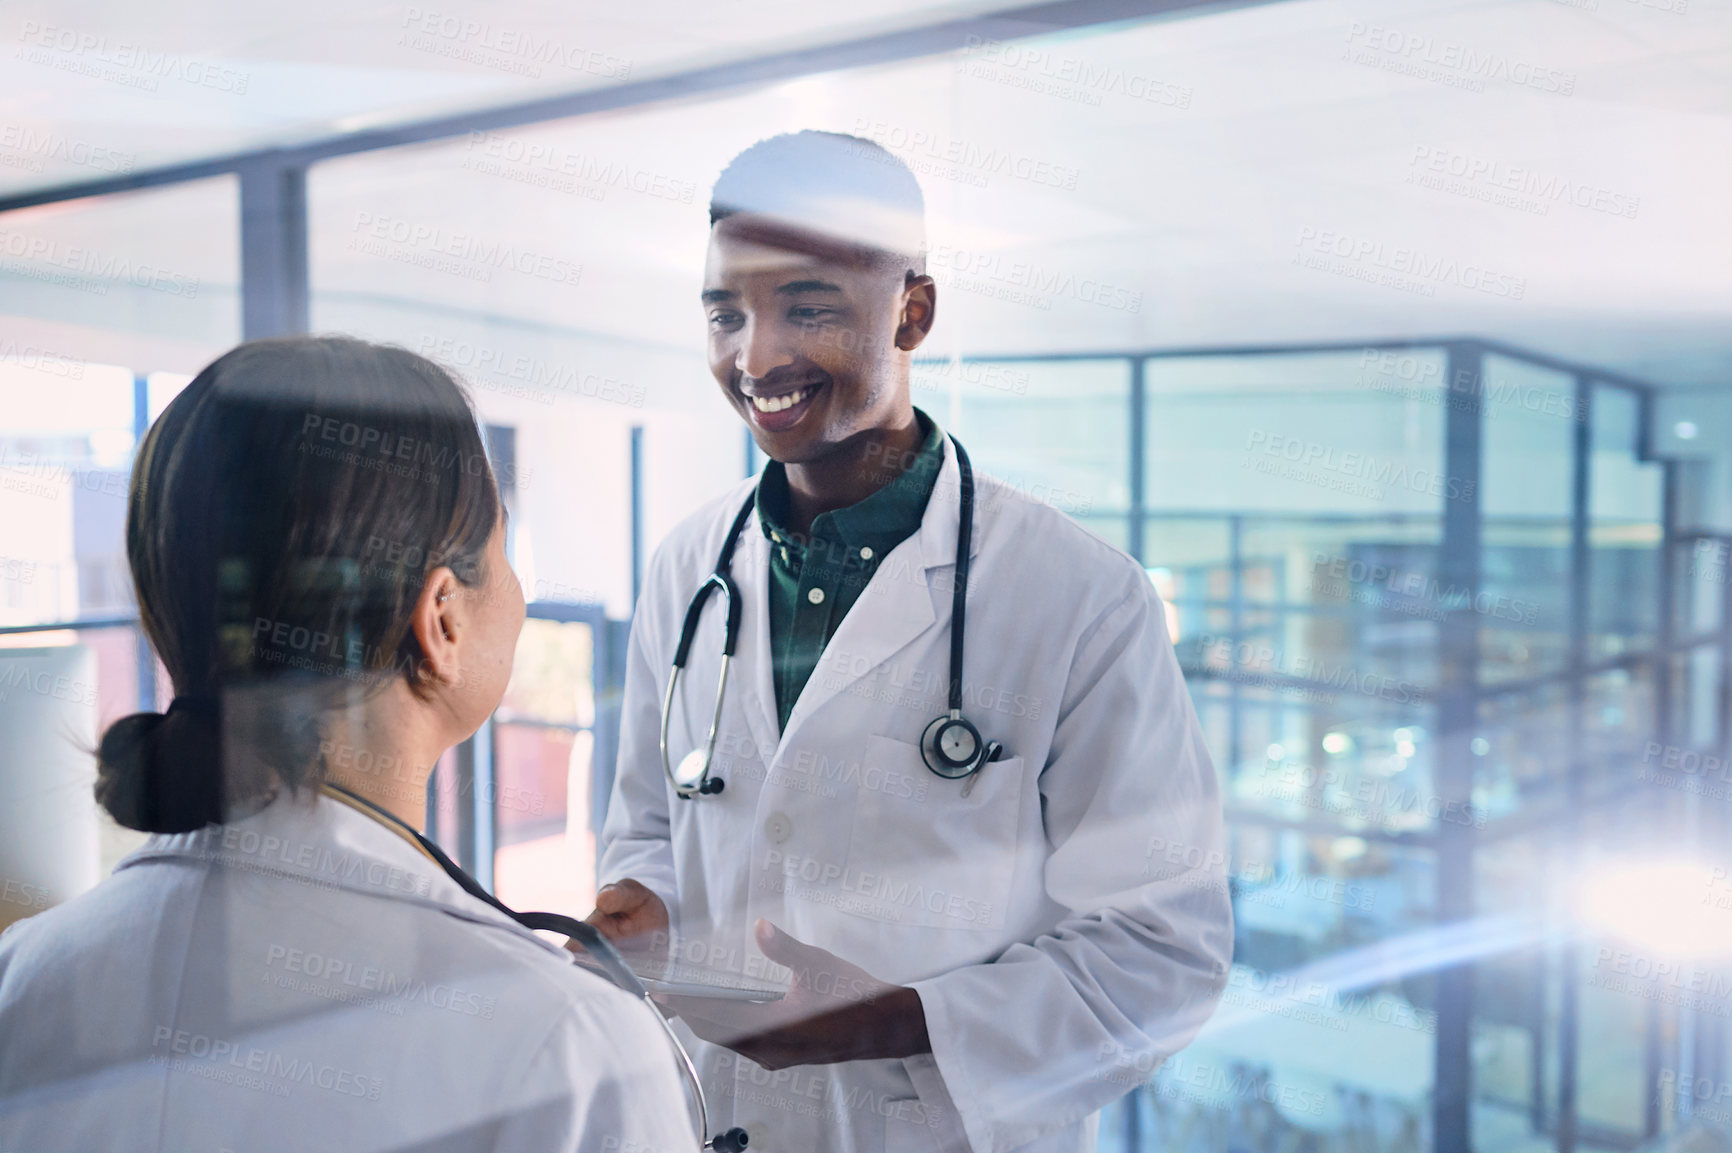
<point x="632" y="917"/>
<point x="834" y="1011"/>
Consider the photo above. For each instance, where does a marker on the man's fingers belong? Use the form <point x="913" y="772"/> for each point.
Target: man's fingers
<point x="785" y="950"/>
<point x="605" y="925"/>
<point x="620" y="898"/>
<point x="627" y="909"/>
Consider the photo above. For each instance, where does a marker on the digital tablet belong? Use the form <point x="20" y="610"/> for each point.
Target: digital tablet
<point x="759" y="994"/>
<point x="663" y="979"/>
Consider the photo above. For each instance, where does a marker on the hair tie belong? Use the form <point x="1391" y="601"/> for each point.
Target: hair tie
<point x="198" y="705"/>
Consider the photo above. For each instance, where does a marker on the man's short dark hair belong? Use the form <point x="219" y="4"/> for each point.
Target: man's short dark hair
<point x="830" y="183"/>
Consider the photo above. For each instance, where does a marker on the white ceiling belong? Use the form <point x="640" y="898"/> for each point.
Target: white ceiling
<point x="174" y="80"/>
<point x="1274" y="131"/>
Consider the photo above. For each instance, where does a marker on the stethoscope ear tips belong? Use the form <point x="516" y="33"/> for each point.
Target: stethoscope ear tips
<point x="733" y="1141"/>
<point x="713" y="785"/>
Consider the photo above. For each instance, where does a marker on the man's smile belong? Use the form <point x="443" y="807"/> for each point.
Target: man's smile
<point x="780" y="411"/>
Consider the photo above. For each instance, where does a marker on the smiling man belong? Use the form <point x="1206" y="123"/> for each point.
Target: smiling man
<point x="982" y="852"/>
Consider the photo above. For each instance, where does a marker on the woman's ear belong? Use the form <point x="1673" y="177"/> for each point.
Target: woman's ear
<point x="436" y="622"/>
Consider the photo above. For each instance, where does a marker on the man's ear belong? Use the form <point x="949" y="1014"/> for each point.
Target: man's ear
<point x="436" y="621"/>
<point x="919" y="310"/>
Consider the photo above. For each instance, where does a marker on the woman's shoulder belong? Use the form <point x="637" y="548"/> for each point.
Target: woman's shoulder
<point x="168" y="947"/>
<point x="286" y="934"/>
<point x="113" y="906"/>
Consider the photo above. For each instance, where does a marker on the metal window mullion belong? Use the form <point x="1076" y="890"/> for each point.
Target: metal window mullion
<point x="1581" y="562"/>
<point x="636" y="528"/>
<point x="1138" y="478"/>
<point x="144" y="657"/>
<point x="1666" y="664"/>
<point x="275" y="294"/>
<point x="1457" y="710"/>
<point x="477" y="822"/>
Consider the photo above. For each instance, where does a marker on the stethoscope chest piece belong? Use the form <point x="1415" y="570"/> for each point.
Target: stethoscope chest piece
<point x="693" y="774"/>
<point x="950" y="746"/>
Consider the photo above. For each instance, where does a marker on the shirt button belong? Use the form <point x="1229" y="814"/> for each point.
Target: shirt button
<point x="865" y="552"/>
<point x="816" y="596"/>
<point x="778" y="828"/>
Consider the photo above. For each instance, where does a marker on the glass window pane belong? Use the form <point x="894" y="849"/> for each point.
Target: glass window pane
<point x="1055" y="431"/>
<point x="542" y="752"/>
<point x="94" y="295"/>
<point x="1624" y="508"/>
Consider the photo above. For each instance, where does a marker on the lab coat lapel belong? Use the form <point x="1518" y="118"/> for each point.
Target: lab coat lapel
<point x="907" y="595"/>
<point x="756" y="683"/>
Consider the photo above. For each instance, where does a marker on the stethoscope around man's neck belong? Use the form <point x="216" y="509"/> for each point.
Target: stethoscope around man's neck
<point x="951" y="746"/>
<point x="596" y="945"/>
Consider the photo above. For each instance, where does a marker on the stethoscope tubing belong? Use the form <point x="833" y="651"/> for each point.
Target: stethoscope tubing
<point x="721" y="580"/>
<point x="959" y="594"/>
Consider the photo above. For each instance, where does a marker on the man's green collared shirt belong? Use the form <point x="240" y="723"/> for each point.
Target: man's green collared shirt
<point x="815" y="579"/>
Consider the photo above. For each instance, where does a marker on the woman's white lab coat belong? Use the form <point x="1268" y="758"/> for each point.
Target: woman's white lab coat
<point x="1066" y="925"/>
<point x="306" y="979"/>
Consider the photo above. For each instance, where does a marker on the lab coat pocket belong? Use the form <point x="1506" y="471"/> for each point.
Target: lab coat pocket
<point x="924" y="855"/>
<point x="908" y="1127"/>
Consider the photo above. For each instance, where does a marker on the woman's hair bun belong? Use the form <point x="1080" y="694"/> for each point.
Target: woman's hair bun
<point x="141" y="752"/>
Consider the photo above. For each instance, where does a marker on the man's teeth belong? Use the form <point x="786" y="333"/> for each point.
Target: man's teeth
<point x="778" y="403"/>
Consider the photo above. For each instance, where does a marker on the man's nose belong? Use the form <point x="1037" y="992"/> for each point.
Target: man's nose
<point x="761" y="352"/>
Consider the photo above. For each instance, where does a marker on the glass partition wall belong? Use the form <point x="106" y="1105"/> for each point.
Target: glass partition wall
<point x="1415" y="752"/>
<point x="1442" y="627"/>
<point x="95" y="295"/>
<point x="1422" y="605"/>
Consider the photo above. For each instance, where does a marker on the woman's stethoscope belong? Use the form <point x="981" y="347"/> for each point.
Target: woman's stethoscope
<point x="951" y="745"/>
<point x="596" y="945"/>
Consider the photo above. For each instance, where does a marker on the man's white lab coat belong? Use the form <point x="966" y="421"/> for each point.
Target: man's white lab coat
<point x="1065" y="925"/>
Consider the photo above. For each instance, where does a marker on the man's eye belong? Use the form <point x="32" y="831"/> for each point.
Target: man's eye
<point x="724" y="319"/>
<point x="811" y="314"/>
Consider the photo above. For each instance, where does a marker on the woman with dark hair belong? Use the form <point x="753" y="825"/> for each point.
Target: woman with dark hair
<point x="316" y="538"/>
